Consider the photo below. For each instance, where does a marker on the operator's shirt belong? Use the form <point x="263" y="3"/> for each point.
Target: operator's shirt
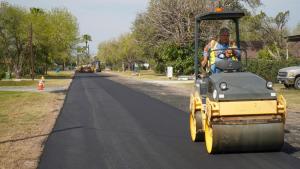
<point x="220" y="47"/>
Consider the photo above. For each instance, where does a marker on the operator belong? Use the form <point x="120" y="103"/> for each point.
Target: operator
<point x="218" y="50"/>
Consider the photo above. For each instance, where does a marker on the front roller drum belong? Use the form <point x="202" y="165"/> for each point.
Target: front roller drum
<point x="244" y="138"/>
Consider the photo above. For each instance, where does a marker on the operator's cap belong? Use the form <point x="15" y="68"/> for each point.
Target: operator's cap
<point x="224" y="30"/>
<point x="212" y="37"/>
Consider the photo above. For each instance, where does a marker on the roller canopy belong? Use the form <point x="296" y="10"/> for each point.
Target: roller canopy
<point x="220" y="16"/>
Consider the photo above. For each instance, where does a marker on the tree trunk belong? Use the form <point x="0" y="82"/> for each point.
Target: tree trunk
<point x="123" y="66"/>
<point x="17" y="71"/>
<point x="31" y="52"/>
<point x="63" y="68"/>
<point x="129" y="66"/>
<point x="46" y="65"/>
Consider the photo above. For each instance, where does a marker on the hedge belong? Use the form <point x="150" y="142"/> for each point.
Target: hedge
<point x="268" y="69"/>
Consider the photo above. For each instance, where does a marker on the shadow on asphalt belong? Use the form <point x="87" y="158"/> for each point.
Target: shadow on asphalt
<point x="40" y="135"/>
<point x="289" y="149"/>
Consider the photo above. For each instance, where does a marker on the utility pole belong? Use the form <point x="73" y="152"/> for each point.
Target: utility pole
<point x="31" y="52"/>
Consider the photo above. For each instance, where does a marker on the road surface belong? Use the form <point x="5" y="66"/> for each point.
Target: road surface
<point x="104" y="124"/>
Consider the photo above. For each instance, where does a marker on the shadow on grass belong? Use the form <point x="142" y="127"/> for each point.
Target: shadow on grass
<point x="17" y="83"/>
<point x="40" y="135"/>
<point x="58" y="77"/>
<point x="62" y="91"/>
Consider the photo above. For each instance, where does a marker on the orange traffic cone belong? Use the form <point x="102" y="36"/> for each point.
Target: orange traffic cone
<point x="41" y="85"/>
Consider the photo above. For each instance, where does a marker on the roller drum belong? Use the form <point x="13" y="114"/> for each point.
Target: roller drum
<point x="245" y="138"/>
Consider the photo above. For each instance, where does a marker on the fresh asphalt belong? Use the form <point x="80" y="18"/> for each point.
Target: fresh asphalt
<point x="105" y="125"/>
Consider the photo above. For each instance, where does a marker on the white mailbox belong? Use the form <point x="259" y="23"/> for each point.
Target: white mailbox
<point x="170" y="72"/>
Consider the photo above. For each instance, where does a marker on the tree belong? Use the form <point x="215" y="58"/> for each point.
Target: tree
<point x="271" y="31"/>
<point x="62" y="36"/>
<point x="119" y="52"/>
<point x="31" y="39"/>
<point x="170" y="24"/>
<point x="13" y="26"/>
<point x="87" y="38"/>
<point x="164" y="33"/>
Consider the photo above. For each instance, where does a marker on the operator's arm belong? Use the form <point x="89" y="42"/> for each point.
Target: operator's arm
<point x="237" y="53"/>
<point x="205" y="55"/>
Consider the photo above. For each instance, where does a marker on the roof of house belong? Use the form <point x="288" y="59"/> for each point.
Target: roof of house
<point x="294" y="38"/>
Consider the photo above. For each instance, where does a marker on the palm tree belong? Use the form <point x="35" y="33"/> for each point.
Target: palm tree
<point x="87" y="38"/>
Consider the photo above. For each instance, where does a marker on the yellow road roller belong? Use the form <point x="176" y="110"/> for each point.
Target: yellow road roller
<point x="234" y="110"/>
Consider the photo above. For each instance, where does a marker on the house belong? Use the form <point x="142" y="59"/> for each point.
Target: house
<point x="293" y="45"/>
<point x="251" y="47"/>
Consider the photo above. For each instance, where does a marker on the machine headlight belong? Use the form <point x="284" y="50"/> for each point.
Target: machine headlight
<point x="291" y="74"/>
<point x="269" y="85"/>
<point x="215" y="93"/>
<point x="223" y="86"/>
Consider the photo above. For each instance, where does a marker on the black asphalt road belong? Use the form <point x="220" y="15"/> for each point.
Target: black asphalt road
<point x="106" y="125"/>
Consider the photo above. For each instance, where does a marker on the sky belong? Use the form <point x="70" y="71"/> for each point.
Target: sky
<point x="108" y="19"/>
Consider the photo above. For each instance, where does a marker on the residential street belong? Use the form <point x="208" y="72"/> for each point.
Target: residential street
<point x="105" y="124"/>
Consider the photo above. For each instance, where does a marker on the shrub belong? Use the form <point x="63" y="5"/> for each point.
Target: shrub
<point x="180" y="58"/>
<point x="268" y="69"/>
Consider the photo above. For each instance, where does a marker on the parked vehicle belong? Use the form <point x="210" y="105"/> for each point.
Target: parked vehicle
<point x="290" y="77"/>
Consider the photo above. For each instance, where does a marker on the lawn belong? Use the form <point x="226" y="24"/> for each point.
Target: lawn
<point x="292" y="96"/>
<point x="59" y="75"/>
<point x="17" y="83"/>
<point x="25" y="120"/>
<point x="53" y="79"/>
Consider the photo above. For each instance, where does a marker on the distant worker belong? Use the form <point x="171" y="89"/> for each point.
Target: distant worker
<point x="219" y="50"/>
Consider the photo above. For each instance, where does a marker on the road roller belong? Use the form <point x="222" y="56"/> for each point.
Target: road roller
<point x="234" y="110"/>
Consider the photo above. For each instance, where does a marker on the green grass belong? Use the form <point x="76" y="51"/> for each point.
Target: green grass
<point x="59" y="75"/>
<point x="17" y="83"/>
<point x="53" y="79"/>
<point x="292" y="96"/>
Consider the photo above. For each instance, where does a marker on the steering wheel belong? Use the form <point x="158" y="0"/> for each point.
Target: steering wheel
<point x="226" y="53"/>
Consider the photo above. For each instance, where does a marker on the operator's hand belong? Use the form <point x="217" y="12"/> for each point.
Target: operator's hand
<point x="229" y="53"/>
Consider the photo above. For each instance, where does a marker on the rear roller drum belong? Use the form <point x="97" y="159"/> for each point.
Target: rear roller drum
<point x="244" y="138"/>
<point x="197" y="134"/>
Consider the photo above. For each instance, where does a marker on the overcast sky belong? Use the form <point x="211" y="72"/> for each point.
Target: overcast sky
<point x="107" y="19"/>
